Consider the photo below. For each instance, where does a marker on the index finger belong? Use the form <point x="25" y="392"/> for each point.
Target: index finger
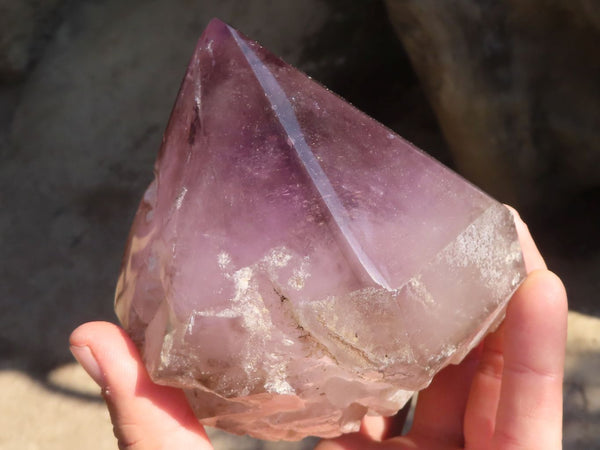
<point x="530" y="407"/>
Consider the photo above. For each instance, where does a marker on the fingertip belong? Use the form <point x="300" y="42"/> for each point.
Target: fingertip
<point x="97" y="334"/>
<point x="542" y="293"/>
<point x="84" y="356"/>
<point x="142" y="411"/>
<point x="94" y="344"/>
<point x="554" y="285"/>
<point x="535" y="338"/>
<point x="105" y="348"/>
<point x="81" y="335"/>
<point x="536" y="322"/>
<point x="113" y="349"/>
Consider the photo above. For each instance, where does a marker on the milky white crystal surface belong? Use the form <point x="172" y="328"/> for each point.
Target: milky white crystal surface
<point x="295" y="265"/>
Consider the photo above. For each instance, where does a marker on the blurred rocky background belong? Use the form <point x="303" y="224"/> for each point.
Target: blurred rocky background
<point x="506" y="92"/>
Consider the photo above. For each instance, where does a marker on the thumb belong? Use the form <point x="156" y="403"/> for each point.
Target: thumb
<point x="144" y="415"/>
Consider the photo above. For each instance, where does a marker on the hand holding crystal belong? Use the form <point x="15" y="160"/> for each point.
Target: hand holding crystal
<point x="506" y="394"/>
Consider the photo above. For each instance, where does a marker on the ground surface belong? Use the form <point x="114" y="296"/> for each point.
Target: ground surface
<point x="78" y="135"/>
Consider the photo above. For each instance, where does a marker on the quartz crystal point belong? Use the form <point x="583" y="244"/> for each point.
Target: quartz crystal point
<point x="295" y="265"/>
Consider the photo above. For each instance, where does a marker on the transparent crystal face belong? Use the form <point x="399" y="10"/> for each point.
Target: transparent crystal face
<point x="295" y="265"/>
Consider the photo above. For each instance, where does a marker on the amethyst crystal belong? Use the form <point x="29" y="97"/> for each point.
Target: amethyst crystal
<point x="295" y="265"/>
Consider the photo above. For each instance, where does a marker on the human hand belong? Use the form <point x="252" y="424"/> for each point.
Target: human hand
<point x="506" y="394"/>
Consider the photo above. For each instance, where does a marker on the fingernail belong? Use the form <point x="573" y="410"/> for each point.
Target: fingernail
<point x="84" y="356"/>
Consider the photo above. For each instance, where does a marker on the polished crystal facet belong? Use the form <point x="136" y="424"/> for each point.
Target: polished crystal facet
<point x="295" y="265"/>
